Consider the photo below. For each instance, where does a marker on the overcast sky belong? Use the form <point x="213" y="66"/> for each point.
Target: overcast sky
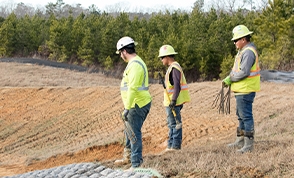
<point x="131" y="5"/>
<point x="106" y="4"/>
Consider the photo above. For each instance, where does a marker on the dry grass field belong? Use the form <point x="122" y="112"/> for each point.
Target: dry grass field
<point x="52" y="116"/>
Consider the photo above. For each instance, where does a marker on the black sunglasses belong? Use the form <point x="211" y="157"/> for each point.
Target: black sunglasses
<point x="235" y="41"/>
<point x="161" y="58"/>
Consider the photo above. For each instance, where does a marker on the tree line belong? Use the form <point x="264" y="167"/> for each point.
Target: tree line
<point x="201" y="37"/>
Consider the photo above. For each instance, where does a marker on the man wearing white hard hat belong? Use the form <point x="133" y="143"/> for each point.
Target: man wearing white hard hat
<point x="244" y="80"/>
<point x="136" y="99"/>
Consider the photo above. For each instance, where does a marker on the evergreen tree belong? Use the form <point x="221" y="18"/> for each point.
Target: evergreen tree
<point x="85" y="51"/>
<point x="59" y="43"/>
<point x="77" y="35"/>
<point x="8" y="38"/>
<point x="275" y="35"/>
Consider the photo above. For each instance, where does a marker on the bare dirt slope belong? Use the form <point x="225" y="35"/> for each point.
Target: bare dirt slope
<point x="57" y="120"/>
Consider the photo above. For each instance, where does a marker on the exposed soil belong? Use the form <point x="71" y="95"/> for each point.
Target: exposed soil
<point x="47" y="126"/>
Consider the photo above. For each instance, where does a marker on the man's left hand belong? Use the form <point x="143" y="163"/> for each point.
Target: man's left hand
<point x="227" y="81"/>
<point x="124" y="115"/>
<point x="172" y="104"/>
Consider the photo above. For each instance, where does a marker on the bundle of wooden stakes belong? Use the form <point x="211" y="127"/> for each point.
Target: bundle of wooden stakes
<point x="222" y="100"/>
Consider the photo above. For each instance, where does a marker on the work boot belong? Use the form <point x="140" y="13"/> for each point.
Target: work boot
<point x="169" y="150"/>
<point x="249" y="140"/>
<point x="126" y="158"/>
<point x="239" y="142"/>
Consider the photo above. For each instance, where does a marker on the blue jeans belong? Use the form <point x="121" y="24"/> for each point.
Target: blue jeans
<point x="244" y="111"/>
<point x="136" y="118"/>
<point x="174" y="135"/>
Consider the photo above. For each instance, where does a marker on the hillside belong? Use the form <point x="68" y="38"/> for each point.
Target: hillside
<point x="51" y="116"/>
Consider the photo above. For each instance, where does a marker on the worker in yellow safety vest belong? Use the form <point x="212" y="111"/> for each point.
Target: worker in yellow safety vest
<point x="244" y="80"/>
<point x="175" y="96"/>
<point x="136" y="99"/>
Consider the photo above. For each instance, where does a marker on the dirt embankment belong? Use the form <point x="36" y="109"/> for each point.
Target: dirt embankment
<point x="44" y="126"/>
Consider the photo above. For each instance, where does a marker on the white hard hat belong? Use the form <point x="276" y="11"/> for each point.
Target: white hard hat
<point x="124" y="41"/>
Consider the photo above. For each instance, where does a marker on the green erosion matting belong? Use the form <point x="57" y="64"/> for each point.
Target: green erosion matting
<point x="150" y="172"/>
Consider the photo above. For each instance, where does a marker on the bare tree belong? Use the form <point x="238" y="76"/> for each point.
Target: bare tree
<point x="6" y="8"/>
<point x="72" y="10"/>
<point x="216" y="4"/>
<point x="264" y="4"/>
<point x="22" y="10"/>
<point x="118" y="7"/>
<point x="55" y="8"/>
<point x="232" y="5"/>
<point x="93" y="9"/>
<point x="199" y="4"/>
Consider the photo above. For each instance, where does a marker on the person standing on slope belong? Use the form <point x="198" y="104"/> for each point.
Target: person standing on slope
<point x="245" y="82"/>
<point x="136" y="99"/>
<point x="176" y="96"/>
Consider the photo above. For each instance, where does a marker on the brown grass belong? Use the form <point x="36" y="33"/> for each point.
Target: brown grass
<point x="51" y="117"/>
<point x="31" y="75"/>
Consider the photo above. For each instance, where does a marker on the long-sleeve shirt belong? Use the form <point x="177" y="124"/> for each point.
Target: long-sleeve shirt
<point x="134" y="85"/>
<point x="247" y="61"/>
<point x="174" y="79"/>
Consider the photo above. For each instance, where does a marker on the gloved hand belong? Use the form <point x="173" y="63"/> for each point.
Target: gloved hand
<point x="227" y="81"/>
<point x="124" y="115"/>
<point x="172" y="104"/>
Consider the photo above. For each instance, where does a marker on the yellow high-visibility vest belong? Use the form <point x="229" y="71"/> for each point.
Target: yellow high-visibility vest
<point x="250" y="83"/>
<point x="184" y="95"/>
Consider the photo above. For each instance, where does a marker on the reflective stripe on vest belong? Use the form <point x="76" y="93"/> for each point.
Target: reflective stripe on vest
<point x="125" y="87"/>
<point x="184" y="86"/>
<point x="184" y="96"/>
<point x="253" y="73"/>
<point x="250" y="83"/>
